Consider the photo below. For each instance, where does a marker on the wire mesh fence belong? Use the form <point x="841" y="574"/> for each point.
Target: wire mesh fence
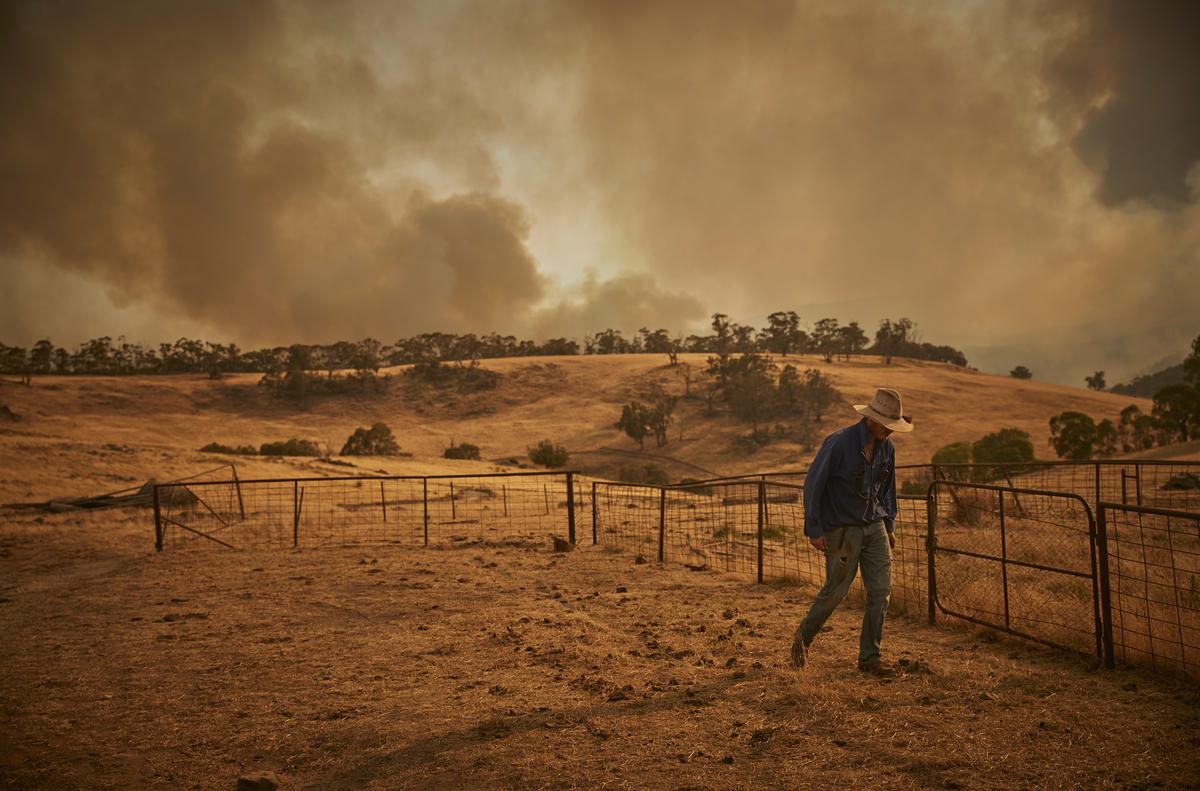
<point x="1158" y="484"/>
<point x="311" y="512"/>
<point x="1017" y="560"/>
<point x="1151" y="579"/>
<point x="747" y="526"/>
<point x="1015" y="546"/>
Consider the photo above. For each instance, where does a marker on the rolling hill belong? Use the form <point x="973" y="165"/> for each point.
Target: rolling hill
<point x="97" y="432"/>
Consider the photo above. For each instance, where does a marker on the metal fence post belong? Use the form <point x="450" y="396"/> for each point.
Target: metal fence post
<point x="1004" y="563"/>
<point x="1105" y="591"/>
<point x="425" y="501"/>
<point x="662" y="523"/>
<point x="383" y="502"/>
<point x="762" y="510"/>
<point x="295" y="513"/>
<point x="930" y="545"/>
<point x="594" y="514"/>
<point x="158" y="531"/>
<point x="571" y="507"/>
<point x="238" y="485"/>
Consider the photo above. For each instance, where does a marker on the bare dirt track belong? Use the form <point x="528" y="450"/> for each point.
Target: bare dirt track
<point x="513" y="667"/>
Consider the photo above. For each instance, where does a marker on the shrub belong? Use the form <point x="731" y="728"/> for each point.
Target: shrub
<point x="694" y="486"/>
<point x="643" y="473"/>
<point x="1001" y="448"/>
<point x="240" y="450"/>
<point x="467" y="378"/>
<point x="291" y="447"/>
<point x="548" y="454"/>
<point x="750" y="443"/>
<point x="463" y="451"/>
<point x="375" y="441"/>
<point x="952" y="454"/>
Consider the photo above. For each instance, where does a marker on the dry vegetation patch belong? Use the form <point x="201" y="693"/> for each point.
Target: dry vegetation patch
<point x="511" y="666"/>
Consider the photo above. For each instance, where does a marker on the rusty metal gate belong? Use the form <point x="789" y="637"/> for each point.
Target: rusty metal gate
<point x="1020" y="561"/>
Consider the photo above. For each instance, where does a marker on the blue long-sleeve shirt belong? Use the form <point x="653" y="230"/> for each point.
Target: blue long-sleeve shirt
<point x="842" y="488"/>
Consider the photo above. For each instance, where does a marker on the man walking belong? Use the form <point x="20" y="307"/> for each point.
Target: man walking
<point x="849" y="514"/>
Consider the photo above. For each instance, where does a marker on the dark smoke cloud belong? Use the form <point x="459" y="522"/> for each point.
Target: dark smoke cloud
<point x="1141" y="60"/>
<point x="313" y="170"/>
<point x="193" y="155"/>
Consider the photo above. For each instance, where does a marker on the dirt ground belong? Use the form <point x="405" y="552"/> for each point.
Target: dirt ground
<point x="509" y="666"/>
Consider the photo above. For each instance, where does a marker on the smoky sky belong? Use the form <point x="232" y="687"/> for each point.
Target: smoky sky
<point x="1018" y="178"/>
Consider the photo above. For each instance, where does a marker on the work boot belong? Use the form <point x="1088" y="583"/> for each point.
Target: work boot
<point x="877" y="669"/>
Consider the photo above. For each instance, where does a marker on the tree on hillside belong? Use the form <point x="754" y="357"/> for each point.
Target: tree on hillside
<point x="1191" y="364"/>
<point x="1076" y="436"/>
<point x="635" y="422"/>
<point x="559" y="347"/>
<point x="13" y="360"/>
<point x="378" y="440"/>
<point x="826" y="338"/>
<point x="1095" y="381"/>
<point x="1021" y="372"/>
<point x="1177" y="410"/>
<point x="722" y="346"/>
<point x="782" y="334"/>
<point x="851" y="340"/>
<point x="742" y="336"/>
<point x="749" y="388"/>
<point x="1136" y="430"/>
<point x="893" y="337"/>
<point x="41" y="356"/>
<point x="657" y="342"/>
<point x="807" y="394"/>
<point x="662" y="406"/>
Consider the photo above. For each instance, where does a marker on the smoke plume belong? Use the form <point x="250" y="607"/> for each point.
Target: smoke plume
<point x="1020" y="179"/>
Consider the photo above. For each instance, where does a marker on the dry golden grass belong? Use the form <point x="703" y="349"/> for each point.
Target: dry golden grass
<point x="503" y="666"/>
<point x="571" y="400"/>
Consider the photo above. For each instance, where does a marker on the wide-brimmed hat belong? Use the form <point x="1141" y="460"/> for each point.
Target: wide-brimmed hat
<point x="885" y="410"/>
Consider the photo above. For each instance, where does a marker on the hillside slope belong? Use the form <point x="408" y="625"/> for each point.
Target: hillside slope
<point x="130" y="428"/>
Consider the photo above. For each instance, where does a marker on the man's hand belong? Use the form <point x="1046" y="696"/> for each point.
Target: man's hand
<point x="892" y="540"/>
<point x="819" y="543"/>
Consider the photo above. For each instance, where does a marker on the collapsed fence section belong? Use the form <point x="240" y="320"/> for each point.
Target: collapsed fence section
<point x="310" y="512"/>
<point x="1150" y="578"/>
<point x="748" y="527"/>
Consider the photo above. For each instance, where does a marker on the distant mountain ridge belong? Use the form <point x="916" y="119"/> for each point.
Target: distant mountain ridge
<point x="1146" y="386"/>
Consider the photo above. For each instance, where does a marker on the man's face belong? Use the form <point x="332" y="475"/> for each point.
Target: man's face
<point x="877" y="430"/>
